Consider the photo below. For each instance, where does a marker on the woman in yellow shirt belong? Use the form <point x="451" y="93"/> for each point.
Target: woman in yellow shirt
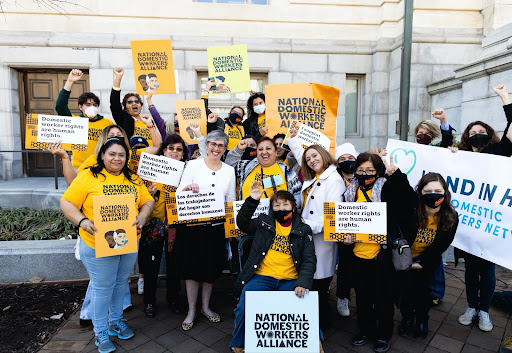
<point x="377" y="182"/>
<point x="108" y="275"/>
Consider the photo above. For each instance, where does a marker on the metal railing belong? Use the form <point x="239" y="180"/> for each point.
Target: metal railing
<point x="55" y="172"/>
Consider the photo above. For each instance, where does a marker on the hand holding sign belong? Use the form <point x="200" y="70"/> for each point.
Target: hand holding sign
<point x="88" y="226"/>
<point x="301" y="291"/>
<point x="293" y="131"/>
<point x="349" y="240"/>
<point x="192" y="187"/>
<point x="256" y="190"/>
<point x="55" y="148"/>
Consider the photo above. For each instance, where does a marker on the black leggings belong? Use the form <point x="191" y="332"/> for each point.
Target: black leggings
<point x="322" y="286"/>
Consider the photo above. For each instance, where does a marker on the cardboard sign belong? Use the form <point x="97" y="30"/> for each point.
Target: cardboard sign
<point x="113" y="217"/>
<point x="229" y="66"/>
<point x="160" y="169"/>
<point x="281" y="322"/>
<point x="153" y="66"/>
<point x="481" y="194"/>
<point x="32" y="133"/>
<point x="194" y="205"/>
<point x="366" y="221"/>
<point x="308" y="136"/>
<point x="191" y="111"/>
<point x="313" y="104"/>
<point x="233" y="207"/>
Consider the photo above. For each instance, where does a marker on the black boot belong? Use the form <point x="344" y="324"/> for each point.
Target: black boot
<point x="405" y="327"/>
<point x="421" y="331"/>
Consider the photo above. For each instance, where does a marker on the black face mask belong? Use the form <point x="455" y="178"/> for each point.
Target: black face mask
<point x="249" y="153"/>
<point x="423" y="139"/>
<point x="283" y="216"/>
<point x="433" y="200"/>
<point x="479" y="140"/>
<point x="234" y="118"/>
<point x="366" y="181"/>
<point x="346" y="167"/>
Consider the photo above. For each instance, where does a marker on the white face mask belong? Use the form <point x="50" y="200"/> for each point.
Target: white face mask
<point x="91" y="111"/>
<point x="259" y="109"/>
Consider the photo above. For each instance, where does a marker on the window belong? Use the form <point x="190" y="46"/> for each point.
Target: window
<point x="353" y="105"/>
<point x="254" y="2"/>
<point x="222" y="103"/>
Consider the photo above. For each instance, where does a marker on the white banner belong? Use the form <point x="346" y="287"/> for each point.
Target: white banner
<point x="481" y="194"/>
<point x="309" y="136"/>
<point x="361" y="217"/>
<point x="263" y="207"/>
<point x="205" y="203"/>
<point x="65" y="129"/>
<point x="160" y="169"/>
<point x="281" y="322"/>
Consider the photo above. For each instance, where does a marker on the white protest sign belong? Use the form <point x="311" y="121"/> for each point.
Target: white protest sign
<point x="281" y="322"/>
<point x="361" y="217"/>
<point x="160" y="169"/>
<point x="203" y="204"/>
<point x="308" y="136"/>
<point x="481" y="194"/>
<point x="263" y="207"/>
<point x="65" y="129"/>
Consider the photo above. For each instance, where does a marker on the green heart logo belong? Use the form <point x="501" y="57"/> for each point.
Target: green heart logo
<point x="403" y="160"/>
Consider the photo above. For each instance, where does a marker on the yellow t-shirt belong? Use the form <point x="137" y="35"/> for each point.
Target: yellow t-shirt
<point x="85" y="186"/>
<point x="159" y="210"/>
<point x="143" y="131"/>
<point x="278" y="262"/>
<point x="95" y="129"/>
<point x="262" y="121"/>
<point x="424" y="238"/>
<point x="255" y="175"/>
<point x="308" y="190"/>
<point x="365" y="250"/>
<point x="235" y="134"/>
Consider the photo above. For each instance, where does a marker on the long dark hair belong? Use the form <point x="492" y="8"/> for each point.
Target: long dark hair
<point x="171" y="140"/>
<point x="100" y="165"/>
<point x="376" y="160"/>
<point x="465" y="145"/>
<point x="446" y="215"/>
<point x="251" y="115"/>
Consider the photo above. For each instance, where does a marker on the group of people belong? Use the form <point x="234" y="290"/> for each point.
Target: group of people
<point x="288" y="252"/>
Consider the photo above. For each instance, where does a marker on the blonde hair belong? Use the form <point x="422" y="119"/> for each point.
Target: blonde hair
<point x="103" y="137"/>
<point x="431" y="126"/>
<point x="309" y="173"/>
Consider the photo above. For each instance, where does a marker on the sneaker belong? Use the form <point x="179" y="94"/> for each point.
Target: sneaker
<point x="140" y="286"/>
<point x="359" y="340"/>
<point x="103" y="342"/>
<point x="484" y="321"/>
<point x="506" y="346"/>
<point x="381" y="346"/>
<point x="120" y="330"/>
<point x="342" y="306"/>
<point x="468" y="316"/>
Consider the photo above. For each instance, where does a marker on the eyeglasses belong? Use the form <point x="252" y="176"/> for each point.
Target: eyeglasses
<point x="366" y="172"/>
<point x="133" y="102"/>
<point x="172" y="148"/>
<point x="217" y="145"/>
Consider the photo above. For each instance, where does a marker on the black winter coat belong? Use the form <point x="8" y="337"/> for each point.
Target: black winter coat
<point x="301" y="245"/>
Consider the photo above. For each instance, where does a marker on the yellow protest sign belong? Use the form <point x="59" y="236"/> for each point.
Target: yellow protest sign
<point x="313" y="104"/>
<point x="229" y="66"/>
<point x="31" y="132"/>
<point x="191" y="111"/>
<point x="153" y="66"/>
<point x="113" y="217"/>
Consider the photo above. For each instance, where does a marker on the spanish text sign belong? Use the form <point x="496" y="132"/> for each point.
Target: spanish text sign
<point x="308" y="136"/>
<point x="202" y="204"/>
<point x="312" y="104"/>
<point x="113" y="217"/>
<point x="281" y="322"/>
<point x="65" y="129"/>
<point x="233" y="207"/>
<point x="160" y="169"/>
<point x="481" y="194"/>
<point x="229" y="66"/>
<point x="191" y="111"/>
<point x="153" y="66"/>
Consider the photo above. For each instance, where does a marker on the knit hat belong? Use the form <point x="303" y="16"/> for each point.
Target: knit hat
<point x="346" y="148"/>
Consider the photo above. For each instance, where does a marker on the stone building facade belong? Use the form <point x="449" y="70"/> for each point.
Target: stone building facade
<point x="354" y="45"/>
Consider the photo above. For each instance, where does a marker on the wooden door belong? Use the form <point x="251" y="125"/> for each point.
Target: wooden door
<point x="41" y="89"/>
